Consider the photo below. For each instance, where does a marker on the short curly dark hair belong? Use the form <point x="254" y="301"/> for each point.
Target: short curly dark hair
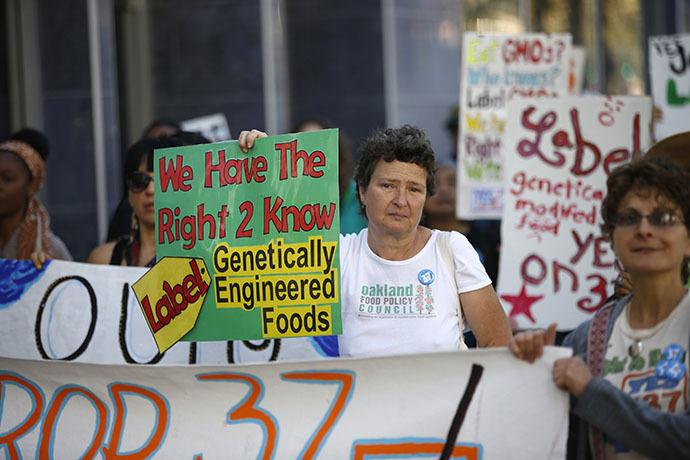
<point x="407" y="144"/>
<point x="656" y="175"/>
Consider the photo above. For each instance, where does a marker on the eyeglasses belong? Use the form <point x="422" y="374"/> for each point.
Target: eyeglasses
<point x="138" y="181"/>
<point x="657" y="219"/>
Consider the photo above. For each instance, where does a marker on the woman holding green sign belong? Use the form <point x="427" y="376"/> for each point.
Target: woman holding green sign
<point x="405" y="288"/>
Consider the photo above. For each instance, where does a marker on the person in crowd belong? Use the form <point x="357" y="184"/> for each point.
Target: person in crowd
<point x="674" y="148"/>
<point x="351" y="220"/>
<point x="628" y="376"/>
<point x="25" y="231"/>
<point x="138" y="248"/>
<point x="120" y="220"/>
<point x="439" y="209"/>
<point x="405" y="288"/>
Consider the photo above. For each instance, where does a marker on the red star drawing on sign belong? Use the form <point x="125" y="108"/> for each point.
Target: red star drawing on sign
<point x="521" y="303"/>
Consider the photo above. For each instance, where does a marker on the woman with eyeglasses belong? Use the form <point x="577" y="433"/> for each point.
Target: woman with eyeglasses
<point x="25" y="231"/>
<point x="628" y="376"/>
<point x="139" y="247"/>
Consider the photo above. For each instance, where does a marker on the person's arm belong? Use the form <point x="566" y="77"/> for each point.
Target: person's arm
<point x="486" y="318"/>
<point x="633" y="423"/>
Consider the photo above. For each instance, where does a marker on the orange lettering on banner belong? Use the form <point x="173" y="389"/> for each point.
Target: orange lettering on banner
<point x="361" y="451"/>
<point x="247" y="411"/>
<point x="9" y="439"/>
<point x="346" y="381"/>
<point x="160" y="427"/>
<point x="59" y="400"/>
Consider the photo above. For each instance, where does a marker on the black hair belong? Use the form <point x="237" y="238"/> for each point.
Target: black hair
<point x="36" y="139"/>
<point x="160" y="122"/>
<point x="407" y="144"/>
<point x="189" y="138"/>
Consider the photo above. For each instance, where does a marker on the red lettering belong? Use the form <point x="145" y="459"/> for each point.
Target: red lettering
<point x="587" y="303"/>
<point x="222" y="215"/>
<point x="601" y="249"/>
<point x="203" y="219"/>
<point x="577" y="168"/>
<point x="581" y="247"/>
<point x="165" y="221"/>
<point x="284" y="148"/>
<point x="211" y="167"/>
<point x="173" y="293"/>
<point x="150" y="318"/>
<point x="557" y="268"/>
<point x="201" y="284"/>
<point x="527" y="148"/>
<point x="536" y="280"/>
<point x="176" y="174"/>
<point x="164" y="310"/>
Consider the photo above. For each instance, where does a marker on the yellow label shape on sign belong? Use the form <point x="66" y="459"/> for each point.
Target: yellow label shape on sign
<point x="170" y="296"/>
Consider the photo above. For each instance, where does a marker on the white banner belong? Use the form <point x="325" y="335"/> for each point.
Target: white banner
<point x="88" y="313"/>
<point x="669" y="71"/>
<point x="495" y="69"/>
<point x="333" y="409"/>
<point x="555" y="264"/>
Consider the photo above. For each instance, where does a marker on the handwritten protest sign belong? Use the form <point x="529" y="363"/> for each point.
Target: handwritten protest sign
<point x="495" y="69"/>
<point x="180" y="286"/>
<point x="266" y="224"/>
<point x="555" y="264"/>
<point x="669" y="70"/>
<point x="347" y="408"/>
<point x="88" y="313"/>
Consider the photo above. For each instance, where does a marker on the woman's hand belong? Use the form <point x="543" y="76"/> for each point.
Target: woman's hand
<point x="571" y="374"/>
<point x="39" y="258"/>
<point x="529" y="345"/>
<point x="247" y="138"/>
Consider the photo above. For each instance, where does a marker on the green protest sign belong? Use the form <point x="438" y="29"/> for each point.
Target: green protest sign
<point x="266" y="225"/>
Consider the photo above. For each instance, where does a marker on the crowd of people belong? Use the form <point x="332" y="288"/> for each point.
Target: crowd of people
<point x="628" y="376"/>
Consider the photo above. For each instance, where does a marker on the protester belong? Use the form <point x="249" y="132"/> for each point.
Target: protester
<point x="138" y="248"/>
<point x="439" y="209"/>
<point x="677" y="149"/>
<point x="25" y="231"/>
<point x="396" y="261"/>
<point x="628" y="376"/>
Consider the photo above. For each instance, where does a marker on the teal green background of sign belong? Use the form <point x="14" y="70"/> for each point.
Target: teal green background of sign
<point x="237" y="323"/>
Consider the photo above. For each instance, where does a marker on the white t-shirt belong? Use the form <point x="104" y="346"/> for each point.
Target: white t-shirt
<point x="393" y="307"/>
<point x="651" y="376"/>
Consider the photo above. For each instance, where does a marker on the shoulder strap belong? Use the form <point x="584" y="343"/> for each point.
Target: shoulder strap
<point x="596" y="352"/>
<point x="447" y="255"/>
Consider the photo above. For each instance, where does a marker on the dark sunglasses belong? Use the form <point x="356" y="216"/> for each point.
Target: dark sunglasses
<point x="138" y="181"/>
<point x="657" y="219"/>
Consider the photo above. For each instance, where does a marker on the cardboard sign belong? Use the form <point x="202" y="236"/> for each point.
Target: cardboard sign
<point x="669" y="70"/>
<point x="555" y="265"/>
<point x="495" y="69"/>
<point x="393" y="407"/>
<point x="177" y="287"/>
<point x="213" y="127"/>
<point x="88" y="313"/>
<point x="266" y="224"/>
